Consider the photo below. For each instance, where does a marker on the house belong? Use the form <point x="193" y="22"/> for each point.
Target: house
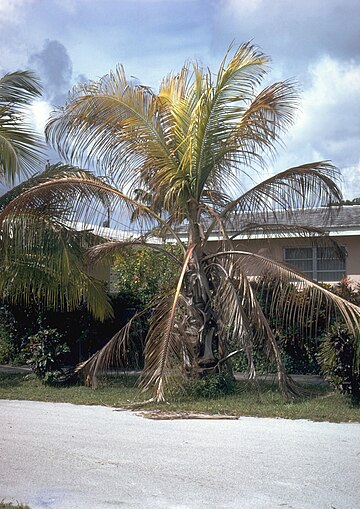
<point x="313" y="254"/>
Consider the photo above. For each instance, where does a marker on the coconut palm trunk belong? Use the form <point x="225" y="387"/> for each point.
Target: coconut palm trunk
<point x="198" y="292"/>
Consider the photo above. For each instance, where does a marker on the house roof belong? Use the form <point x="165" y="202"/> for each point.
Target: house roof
<point x="347" y="216"/>
<point x="337" y="221"/>
<point x="344" y="221"/>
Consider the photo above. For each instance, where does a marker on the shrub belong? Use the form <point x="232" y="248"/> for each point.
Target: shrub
<point x="44" y="352"/>
<point x="211" y="386"/>
<point x="337" y="356"/>
<point x="145" y="273"/>
<point x="8" y="347"/>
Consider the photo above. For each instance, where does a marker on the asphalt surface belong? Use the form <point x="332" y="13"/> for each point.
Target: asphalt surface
<point x="63" y="456"/>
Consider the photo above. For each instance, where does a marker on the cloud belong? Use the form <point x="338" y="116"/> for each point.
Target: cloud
<point x="351" y="179"/>
<point x="40" y="112"/>
<point x="12" y="11"/>
<point x="293" y="33"/>
<point x="55" y="69"/>
<point x="317" y="42"/>
<point x="329" y="117"/>
<point x="327" y="126"/>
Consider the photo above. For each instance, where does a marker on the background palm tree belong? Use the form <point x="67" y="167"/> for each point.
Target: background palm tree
<point x="21" y="150"/>
<point x="191" y="149"/>
<point x="41" y="255"/>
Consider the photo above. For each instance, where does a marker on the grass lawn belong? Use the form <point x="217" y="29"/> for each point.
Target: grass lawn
<point x="317" y="402"/>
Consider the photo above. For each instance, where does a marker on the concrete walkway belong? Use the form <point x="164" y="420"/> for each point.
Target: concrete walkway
<point x="271" y="377"/>
<point x="6" y="368"/>
<point x="62" y="456"/>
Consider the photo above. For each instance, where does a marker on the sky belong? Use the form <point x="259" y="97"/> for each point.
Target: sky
<point x="315" y="42"/>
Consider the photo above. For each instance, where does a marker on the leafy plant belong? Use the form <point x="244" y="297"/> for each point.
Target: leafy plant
<point x="45" y="350"/>
<point x="211" y="387"/>
<point x="145" y="273"/>
<point x="337" y="356"/>
<point x="8" y="349"/>
<point x="10" y="505"/>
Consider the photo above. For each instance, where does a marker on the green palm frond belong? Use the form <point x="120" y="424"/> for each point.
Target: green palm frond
<point x="307" y="186"/>
<point x="45" y="260"/>
<point x="21" y="149"/>
<point x="112" y="109"/>
<point x="82" y="197"/>
<point x="51" y="171"/>
<point x="19" y="87"/>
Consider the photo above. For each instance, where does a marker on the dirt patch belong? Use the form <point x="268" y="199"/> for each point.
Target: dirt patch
<point x="168" y="416"/>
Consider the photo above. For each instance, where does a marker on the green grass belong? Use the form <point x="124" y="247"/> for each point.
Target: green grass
<point x="318" y="403"/>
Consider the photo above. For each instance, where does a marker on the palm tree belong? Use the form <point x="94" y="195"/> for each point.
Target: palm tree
<point x="20" y="148"/>
<point x="180" y="159"/>
<point x="41" y="255"/>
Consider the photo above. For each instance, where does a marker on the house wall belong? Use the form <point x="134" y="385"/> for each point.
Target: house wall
<point x="352" y="245"/>
<point x="101" y="272"/>
<point x="274" y="248"/>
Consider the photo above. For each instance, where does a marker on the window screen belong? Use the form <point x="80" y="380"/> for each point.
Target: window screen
<point x="320" y="263"/>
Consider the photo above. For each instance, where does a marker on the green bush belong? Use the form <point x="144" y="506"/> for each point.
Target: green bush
<point x="146" y="273"/>
<point x="211" y="386"/>
<point x="298" y="358"/>
<point x="8" y="350"/>
<point x="337" y="356"/>
<point x="44" y="352"/>
<point x="84" y="335"/>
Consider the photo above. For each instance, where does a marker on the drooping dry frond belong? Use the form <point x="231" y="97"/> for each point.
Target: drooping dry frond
<point x="286" y="304"/>
<point x="163" y="341"/>
<point x="112" y="354"/>
<point x="242" y="320"/>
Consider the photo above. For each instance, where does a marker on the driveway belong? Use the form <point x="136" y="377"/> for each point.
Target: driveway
<point x="63" y="456"/>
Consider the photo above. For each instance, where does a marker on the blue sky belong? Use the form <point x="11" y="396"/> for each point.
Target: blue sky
<point x="313" y="41"/>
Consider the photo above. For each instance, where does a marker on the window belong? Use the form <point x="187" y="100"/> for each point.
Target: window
<point x="112" y="285"/>
<point x="319" y="263"/>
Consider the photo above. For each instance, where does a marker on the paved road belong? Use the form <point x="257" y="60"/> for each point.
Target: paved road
<point x="63" y="456"/>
